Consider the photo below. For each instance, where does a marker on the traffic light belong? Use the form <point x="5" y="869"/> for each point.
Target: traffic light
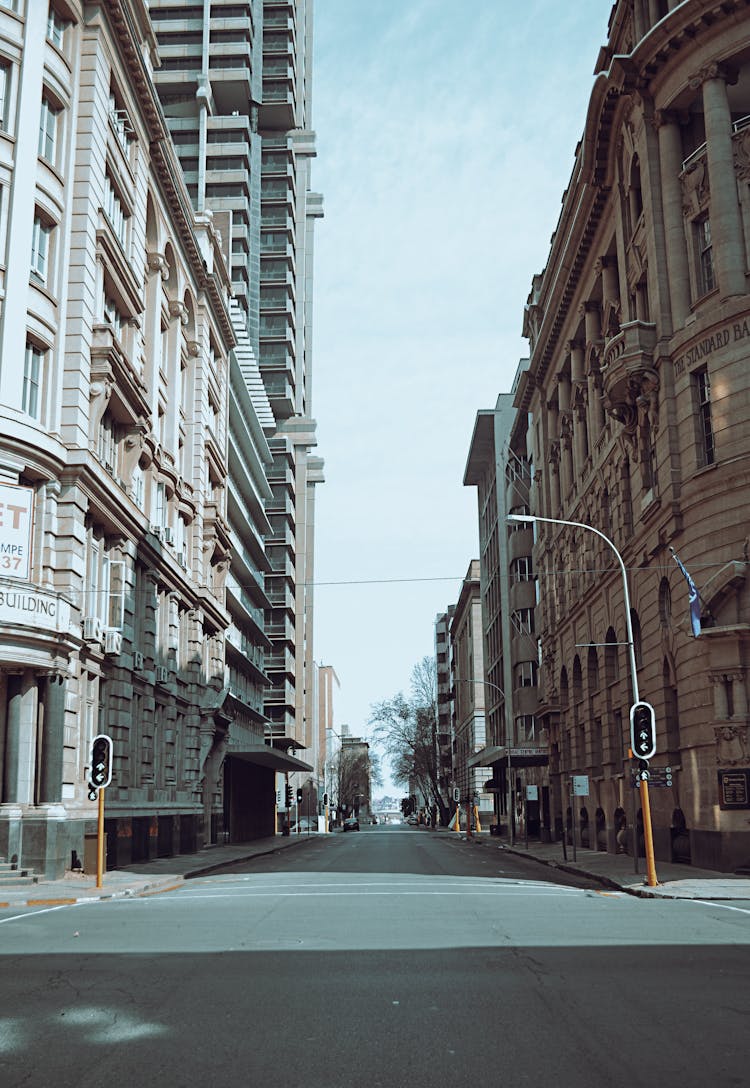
<point x="642" y="730"/>
<point x="299" y="797"/>
<point x="289" y="797"/>
<point x="325" y="798"/>
<point x="101" y="762"/>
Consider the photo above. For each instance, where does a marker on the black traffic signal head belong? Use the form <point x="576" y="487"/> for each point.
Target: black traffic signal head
<point x="642" y="730"/>
<point x="289" y="797"/>
<point x="299" y="797"/>
<point x="101" y="761"/>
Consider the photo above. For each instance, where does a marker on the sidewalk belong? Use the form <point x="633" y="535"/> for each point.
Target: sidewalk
<point x="618" y="871"/>
<point x="141" y="878"/>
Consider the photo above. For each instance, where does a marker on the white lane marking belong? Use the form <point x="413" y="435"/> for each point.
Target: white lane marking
<point x="712" y="903"/>
<point x="280" y="894"/>
<point x="33" y="913"/>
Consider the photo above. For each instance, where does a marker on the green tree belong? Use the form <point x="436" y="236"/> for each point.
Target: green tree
<point x="407" y="731"/>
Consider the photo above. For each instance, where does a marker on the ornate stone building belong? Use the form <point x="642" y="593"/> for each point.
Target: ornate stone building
<point x="114" y="343"/>
<point x="638" y="388"/>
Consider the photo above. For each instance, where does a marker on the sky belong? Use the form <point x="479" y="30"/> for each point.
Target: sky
<point x="445" y="140"/>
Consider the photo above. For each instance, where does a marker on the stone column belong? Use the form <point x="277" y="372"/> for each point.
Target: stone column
<point x="20" y="741"/>
<point x="554" y="479"/>
<point x="726" y="221"/>
<point x="50" y="786"/>
<point x="670" y="163"/>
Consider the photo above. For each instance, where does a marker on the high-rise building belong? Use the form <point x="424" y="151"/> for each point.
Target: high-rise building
<point x="235" y="84"/>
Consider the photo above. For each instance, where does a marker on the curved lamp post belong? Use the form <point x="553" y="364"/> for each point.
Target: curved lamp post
<point x="647" y="831"/>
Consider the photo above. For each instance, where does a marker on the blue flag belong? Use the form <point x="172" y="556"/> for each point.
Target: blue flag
<point x="694" y="599"/>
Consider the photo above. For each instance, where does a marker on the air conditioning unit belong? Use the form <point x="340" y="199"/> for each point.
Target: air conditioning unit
<point x="168" y="534"/>
<point x="113" y="642"/>
<point x="162" y="674"/>
<point x="92" y="629"/>
<point x="137" y="659"/>
<point x="155" y="530"/>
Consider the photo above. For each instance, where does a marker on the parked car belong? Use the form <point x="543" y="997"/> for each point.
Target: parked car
<point x="352" y="824"/>
<point x="412" y="819"/>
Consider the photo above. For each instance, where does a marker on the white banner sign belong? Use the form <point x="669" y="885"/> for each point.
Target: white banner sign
<point x="16" y="517"/>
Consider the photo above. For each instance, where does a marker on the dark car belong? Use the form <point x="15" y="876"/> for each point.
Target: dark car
<point x="352" y="824"/>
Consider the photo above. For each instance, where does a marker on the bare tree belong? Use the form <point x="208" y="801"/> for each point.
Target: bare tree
<point x="351" y="775"/>
<point x="407" y="729"/>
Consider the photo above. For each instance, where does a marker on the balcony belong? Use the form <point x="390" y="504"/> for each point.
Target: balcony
<point x="628" y="371"/>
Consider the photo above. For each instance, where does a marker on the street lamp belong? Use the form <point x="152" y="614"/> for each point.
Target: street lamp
<point x="647" y="832"/>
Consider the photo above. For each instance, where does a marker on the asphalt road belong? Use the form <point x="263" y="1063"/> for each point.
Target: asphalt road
<point x="390" y="957"/>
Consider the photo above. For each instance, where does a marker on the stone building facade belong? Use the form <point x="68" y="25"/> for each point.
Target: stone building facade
<point x="114" y="393"/>
<point x="638" y="389"/>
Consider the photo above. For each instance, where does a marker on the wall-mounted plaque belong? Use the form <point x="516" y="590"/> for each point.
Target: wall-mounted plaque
<point x="734" y="788"/>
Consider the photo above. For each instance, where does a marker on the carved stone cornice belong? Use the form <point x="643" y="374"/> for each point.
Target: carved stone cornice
<point x="713" y="70"/>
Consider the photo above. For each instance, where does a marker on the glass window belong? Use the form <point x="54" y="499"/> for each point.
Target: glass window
<point x="33" y="371"/>
<point x="521" y="570"/>
<point x="4" y="95"/>
<point x="702" y="392"/>
<point x="48" y="121"/>
<point x="56" y="28"/>
<point x="706" y="275"/>
<point x="40" y="247"/>
<point x="115" y="212"/>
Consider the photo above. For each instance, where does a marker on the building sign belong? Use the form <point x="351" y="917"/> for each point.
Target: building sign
<point x="29" y="608"/>
<point x="734" y="788"/>
<point x="730" y="333"/>
<point x="16" y="518"/>
<point x="579" y="785"/>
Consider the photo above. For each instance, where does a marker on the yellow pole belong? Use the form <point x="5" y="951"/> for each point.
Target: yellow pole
<point x="100" y="840"/>
<point x="476" y="818"/>
<point x="458" y="817"/>
<point x="648" y="837"/>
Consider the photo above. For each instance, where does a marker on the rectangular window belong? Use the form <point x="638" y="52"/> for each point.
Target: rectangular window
<point x="115" y="212"/>
<point x="4" y="96"/>
<point x="33" y="371"/>
<point x="526" y="674"/>
<point x="706" y="275"/>
<point x="523" y="620"/>
<point x="521" y="570"/>
<point x="120" y="123"/>
<point x="40" y="246"/>
<point x="48" y="119"/>
<point x="702" y="392"/>
<point x="108" y="443"/>
<point x="55" y="28"/>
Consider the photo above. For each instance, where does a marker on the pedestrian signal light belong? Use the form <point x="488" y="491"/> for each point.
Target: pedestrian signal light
<point x="101" y="761"/>
<point x="299" y="797"/>
<point x="642" y="730"/>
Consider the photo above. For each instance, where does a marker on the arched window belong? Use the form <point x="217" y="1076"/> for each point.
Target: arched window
<point x="592" y="667"/>
<point x="665" y="603"/>
<point x="635" y="196"/>
<point x="611" y="659"/>
<point x="637" y="645"/>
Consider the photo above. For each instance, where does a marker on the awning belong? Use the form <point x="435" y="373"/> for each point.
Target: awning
<point x="265" y="756"/>
<point x="526" y="756"/>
